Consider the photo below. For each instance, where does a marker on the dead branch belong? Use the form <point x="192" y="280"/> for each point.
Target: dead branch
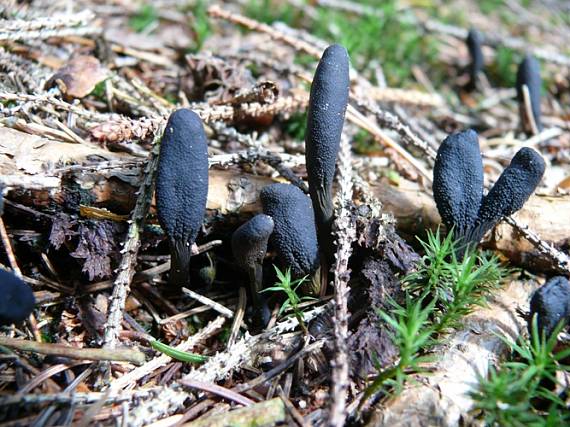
<point x="443" y="397"/>
<point x="344" y="229"/>
<point x="130" y="250"/>
<point x="131" y="355"/>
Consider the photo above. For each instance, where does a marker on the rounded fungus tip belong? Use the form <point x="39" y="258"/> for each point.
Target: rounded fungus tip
<point x="249" y="241"/>
<point x="294" y="234"/>
<point x="551" y="304"/>
<point x="325" y="119"/>
<point x="17" y="300"/>
<point x="528" y="74"/>
<point x="182" y="188"/>
<point x="513" y="188"/>
<point x="458" y="181"/>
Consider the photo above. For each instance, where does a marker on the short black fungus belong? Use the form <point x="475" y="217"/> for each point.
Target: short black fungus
<point x="17" y="301"/>
<point x="528" y="75"/>
<point x="551" y="304"/>
<point x="474" y="42"/>
<point x="182" y="188"/>
<point x="513" y="188"/>
<point x="249" y="246"/>
<point x="458" y="181"/>
<point x="325" y="120"/>
<point x="294" y="235"/>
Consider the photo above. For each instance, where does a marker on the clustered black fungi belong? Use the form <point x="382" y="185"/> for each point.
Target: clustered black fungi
<point x="458" y="186"/>
<point x="550" y="304"/>
<point x="182" y="188"/>
<point x="17" y="300"/>
<point x="294" y="234"/>
<point x="458" y="181"/>
<point x="528" y="75"/>
<point x="474" y="42"/>
<point x="325" y="120"/>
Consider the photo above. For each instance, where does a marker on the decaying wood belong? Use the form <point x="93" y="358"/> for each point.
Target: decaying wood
<point x="232" y="191"/>
<point x="266" y="413"/>
<point x="442" y="398"/>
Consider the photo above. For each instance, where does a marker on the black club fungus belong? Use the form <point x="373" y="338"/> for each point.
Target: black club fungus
<point x="182" y="188"/>
<point x="474" y="42"/>
<point x="513" y="188"/>
<point x="249" y="246"/>
<point x="294" y="235"/>
<point x="551" y="304"/>
<point x="325" y="120"/>
<point x="17" y="300"/>
<point x="458" y="181"/>
<point x="528" y="75"/>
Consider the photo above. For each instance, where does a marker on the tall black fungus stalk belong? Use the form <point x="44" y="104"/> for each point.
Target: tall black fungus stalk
<point x="182" y="188"/>
<point x="474" y="42"/>
<point x="458" y="181"/>
<point x="528" y="75"/>
<point x="327" y="107"/>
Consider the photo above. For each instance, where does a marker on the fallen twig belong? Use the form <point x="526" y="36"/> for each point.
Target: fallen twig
<point x="121" y="355"/>
<point x="345" y="231"/>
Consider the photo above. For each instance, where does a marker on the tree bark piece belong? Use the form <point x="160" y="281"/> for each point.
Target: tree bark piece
<point x="441" y="399"/>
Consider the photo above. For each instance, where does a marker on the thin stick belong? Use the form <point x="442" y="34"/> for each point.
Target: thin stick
<point x="238" y="319"/>
<point x="218" y="390"/>
<point x="359" y="119"/>
<point x="224" y="311"/>
<point x="122" y="355"/>
<point x="9" y="250"/>
<point x="527" y="108"/>
<point x="345" y="231"/>
<point x="126" y="268"/>
<point x="217" y="12"/>
<point x="560" y="259"/>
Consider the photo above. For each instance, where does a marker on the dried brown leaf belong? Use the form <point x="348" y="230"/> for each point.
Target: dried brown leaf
<point x="79" y="76"/>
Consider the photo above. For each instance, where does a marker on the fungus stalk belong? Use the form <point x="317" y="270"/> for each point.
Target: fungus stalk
<point x="474" y="42"/>
<point x="458" y="182"/>
<point x="325" y="120"/>
<point x="249" y="246"/>
<point x="528" y="87"/>
<point x="182" y="188"/>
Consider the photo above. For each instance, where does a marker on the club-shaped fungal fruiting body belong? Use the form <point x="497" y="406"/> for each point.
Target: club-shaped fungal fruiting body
<point x="182" y="188"/>
<point x="474" y="42"/>
<point x="513" y="188"/>
<point x="550" y="304"/>
<point x="325" y="119"/>
<point x="294" y="233"/>
<point x="528" y="95"/>
<point x="458" y="186"/>
<point x="458" y="181"/>
<point x="249" y="246"/>
<point x="17" y="301"/>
